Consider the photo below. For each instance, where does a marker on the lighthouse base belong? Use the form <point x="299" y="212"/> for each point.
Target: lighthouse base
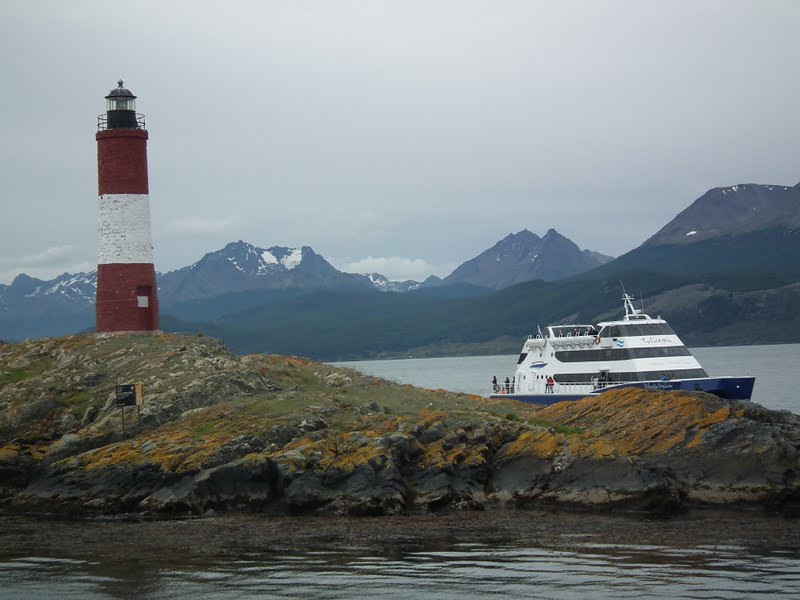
<point x="127" y="298"/>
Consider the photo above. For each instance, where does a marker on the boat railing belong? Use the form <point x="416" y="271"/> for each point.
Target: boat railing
<point x="570" y="334"/>
<point x="565" y="387"/>
<point x="574" y="334"/>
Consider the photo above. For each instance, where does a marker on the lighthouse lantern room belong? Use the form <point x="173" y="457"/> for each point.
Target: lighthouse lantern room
<point x="126" y="283"/>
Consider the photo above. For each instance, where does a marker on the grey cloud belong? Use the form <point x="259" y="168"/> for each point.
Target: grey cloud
<point x="397" y="129"/>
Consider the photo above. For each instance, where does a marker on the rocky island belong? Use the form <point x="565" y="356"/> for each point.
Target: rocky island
<point x="285" y="435"/>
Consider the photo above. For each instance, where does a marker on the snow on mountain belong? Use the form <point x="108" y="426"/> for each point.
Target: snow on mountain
<point x="240" y="267"/>
<point x="250" y="260"/>
<point x="79" y="287"/>
<point x="31" y="307"/>
<point x="382" y="283"/>
<point x="254" y="261"/>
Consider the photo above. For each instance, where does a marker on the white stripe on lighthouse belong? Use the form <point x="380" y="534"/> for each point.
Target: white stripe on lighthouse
<point x="123" y="229"/>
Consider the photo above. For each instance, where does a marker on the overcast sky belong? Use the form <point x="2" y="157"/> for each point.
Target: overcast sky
<point x="403" y="137"/>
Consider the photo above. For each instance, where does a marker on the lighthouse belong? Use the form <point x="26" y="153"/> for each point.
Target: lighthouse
<point x="126" y="278"/>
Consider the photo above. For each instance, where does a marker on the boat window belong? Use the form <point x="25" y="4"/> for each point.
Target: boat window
<point x="522" y="357"/>
<point x="620" y="353"/>
<point x="636" y="329"/>
<point x="618" y="377"/>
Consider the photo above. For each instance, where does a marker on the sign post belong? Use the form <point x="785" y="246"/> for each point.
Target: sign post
<point x="126" y="396"/>
<point x="139" y="393"/>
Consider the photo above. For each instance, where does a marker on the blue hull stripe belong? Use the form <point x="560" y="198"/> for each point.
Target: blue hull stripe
<point x="730" y="388"/>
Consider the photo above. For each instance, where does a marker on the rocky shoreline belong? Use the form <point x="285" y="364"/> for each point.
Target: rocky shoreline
<point x="284" y="436"/>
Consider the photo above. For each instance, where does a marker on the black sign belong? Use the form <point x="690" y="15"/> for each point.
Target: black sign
<point x="126" y="395"/>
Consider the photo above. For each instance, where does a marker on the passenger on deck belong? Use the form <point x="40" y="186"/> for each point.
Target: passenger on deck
<point x="507" y="385"/>
<point x="495" y="387"/>
<point x="549" y="385"/>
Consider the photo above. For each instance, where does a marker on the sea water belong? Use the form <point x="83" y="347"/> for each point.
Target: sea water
<point x="527" y="554"/>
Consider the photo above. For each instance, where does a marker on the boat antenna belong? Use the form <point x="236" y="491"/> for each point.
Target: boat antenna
<point x="627" y="300"/>
<point x="540" y="331"/>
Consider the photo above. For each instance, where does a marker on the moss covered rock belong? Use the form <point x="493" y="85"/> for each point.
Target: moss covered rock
<point x="284" y="434"/>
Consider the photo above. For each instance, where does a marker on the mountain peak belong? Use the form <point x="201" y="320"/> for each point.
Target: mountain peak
<point x="251" y="260"/>
<point x="241" y="266"/>
<point x="735" y="209"/>
<point x="524" y="256"/>
<point x="239" y="245"/>
<point x="525" y="234"/>
<point x="24" y="280"/>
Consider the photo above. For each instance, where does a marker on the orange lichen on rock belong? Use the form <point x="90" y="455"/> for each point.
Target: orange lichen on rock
<point x="722" y="414"/>
<point x="440" y="454"/>
<point x="9" y="451"/>
<point x="541" y="444"/>
<point x="597" y="448"/>
<point x="123" y="453"/>
<point x="379" y="425"/>
<point x="636" y="421"/>
<point x="347" y="459"/>
<point x="75" y="342"/>
<point x="294" y="361"/>
<point x="176" y="451"/>
<point x="427" y="417"/>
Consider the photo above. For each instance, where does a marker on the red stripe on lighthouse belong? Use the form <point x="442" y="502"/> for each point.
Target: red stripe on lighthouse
<point x="127" y="298"/>
<point x="122" y="161"/>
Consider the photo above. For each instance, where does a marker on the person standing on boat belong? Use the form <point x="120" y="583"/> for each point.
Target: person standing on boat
<point x="495" y="387"/>
<point x="549" y="385"/>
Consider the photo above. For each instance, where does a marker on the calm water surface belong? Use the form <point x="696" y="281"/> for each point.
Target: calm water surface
<point x="573" y="556"/>
<point x="775" y="369"/>
<point x="469" y="571"/>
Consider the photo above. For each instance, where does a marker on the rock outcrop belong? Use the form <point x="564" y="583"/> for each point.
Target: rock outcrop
<point x="287" y="435"/>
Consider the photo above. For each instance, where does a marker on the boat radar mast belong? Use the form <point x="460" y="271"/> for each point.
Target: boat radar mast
<point x="632" y="313"/>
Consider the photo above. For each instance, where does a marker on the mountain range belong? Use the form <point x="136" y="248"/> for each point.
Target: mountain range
<point x="737" y="283"/>
<point x="241" y="276"/>
<point x="32" y="308"/>
<point x="724" y="270"/>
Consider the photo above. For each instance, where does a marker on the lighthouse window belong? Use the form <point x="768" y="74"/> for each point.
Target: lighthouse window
<point x="121" y="104"/>
<point x="143" y="301"/>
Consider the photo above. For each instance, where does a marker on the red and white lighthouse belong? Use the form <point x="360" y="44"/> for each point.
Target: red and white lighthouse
<point x="126" y="278"/>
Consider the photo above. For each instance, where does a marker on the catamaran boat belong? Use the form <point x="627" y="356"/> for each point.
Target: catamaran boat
<point x="569" y="362"/>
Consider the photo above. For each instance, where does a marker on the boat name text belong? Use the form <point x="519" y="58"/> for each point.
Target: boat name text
<point x="656" y="340"/>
